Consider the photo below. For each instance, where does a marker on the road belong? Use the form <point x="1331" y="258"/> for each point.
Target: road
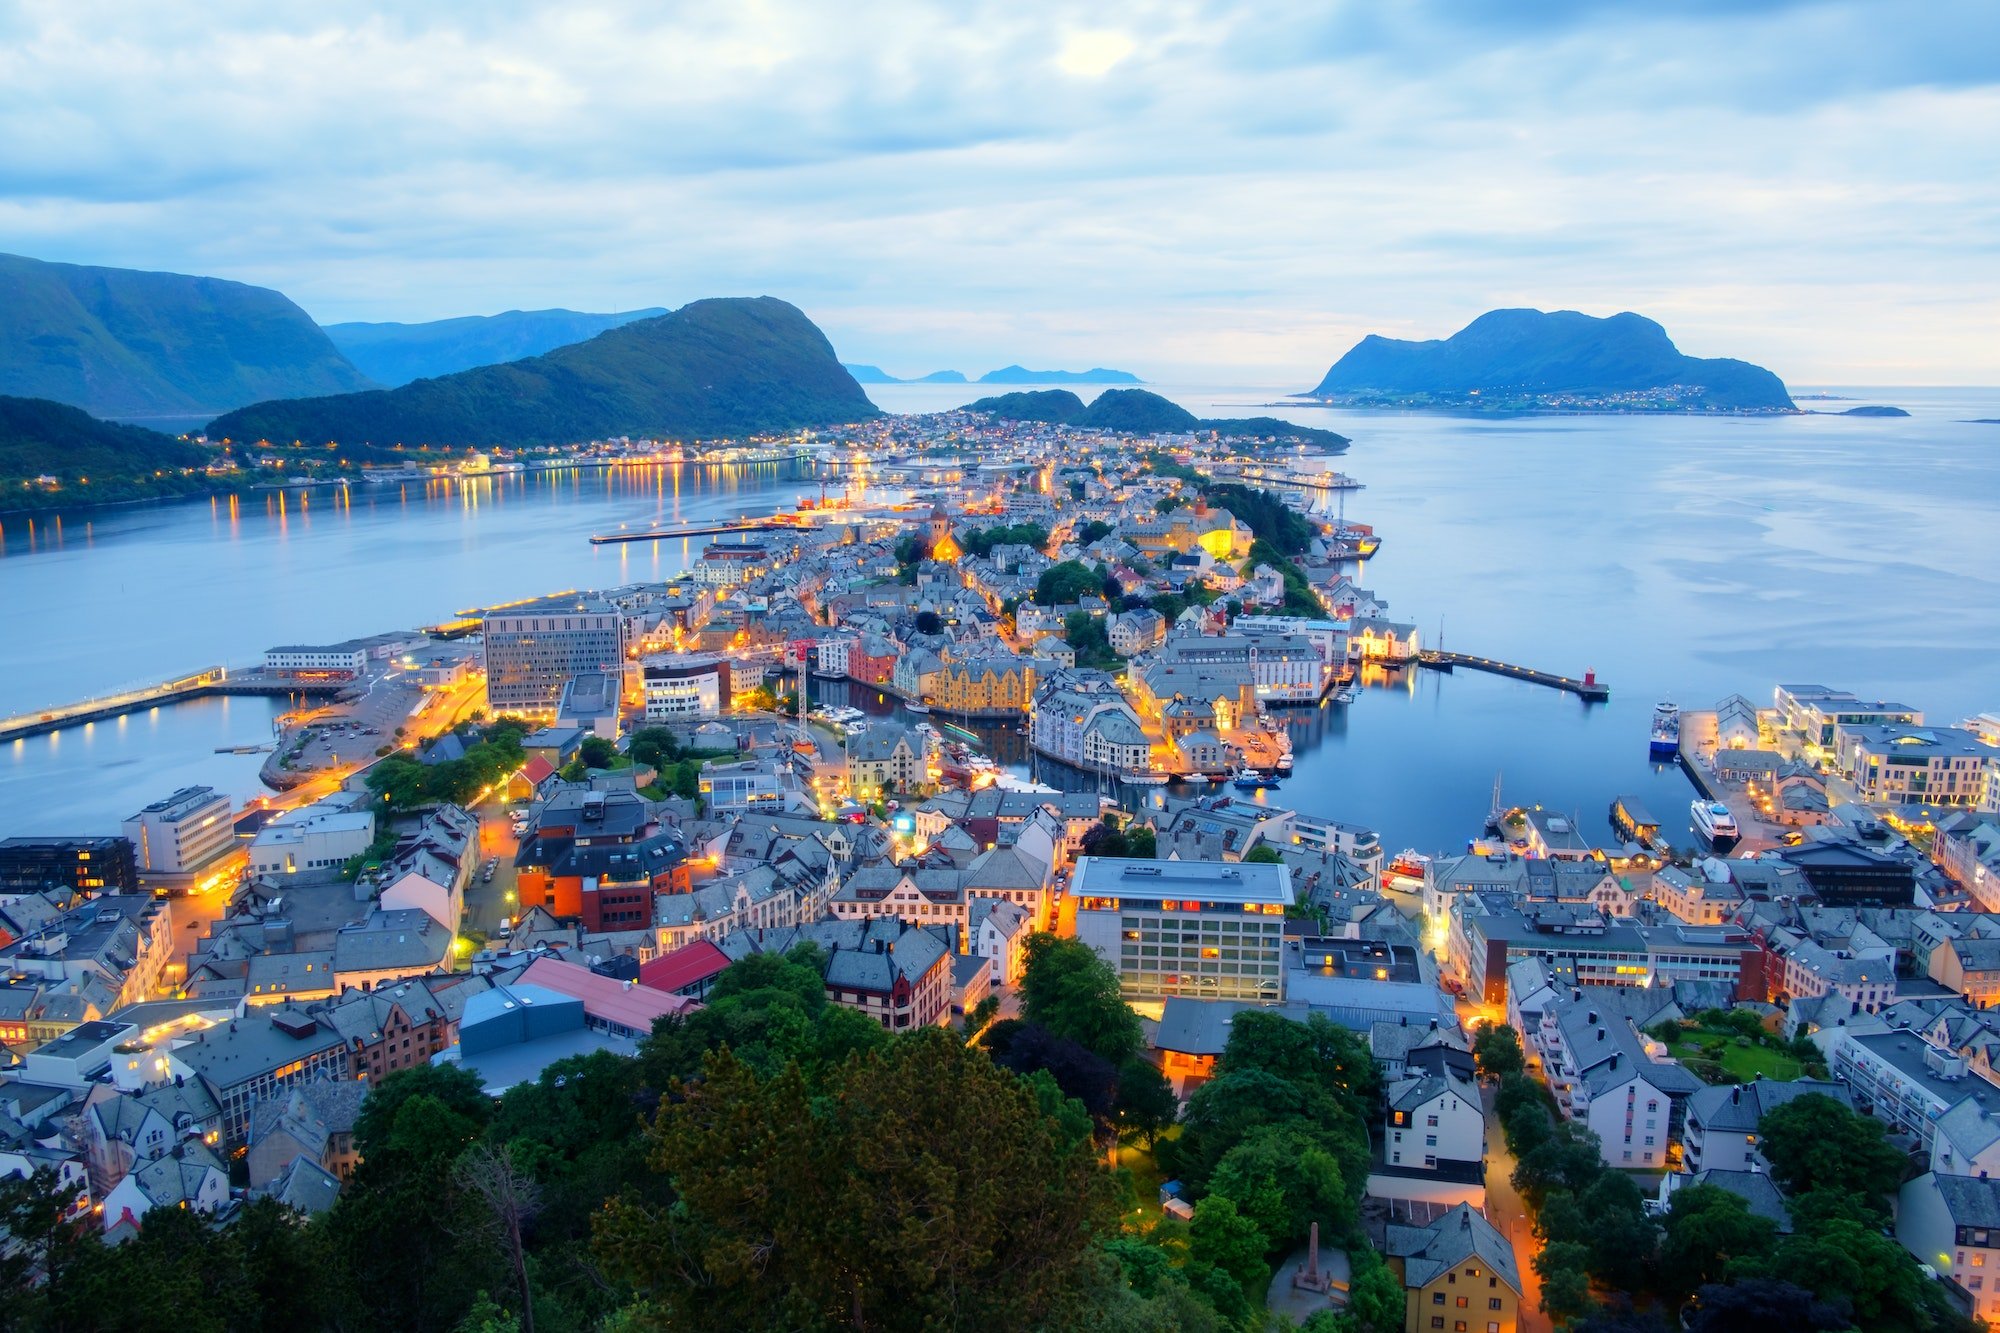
<point x="489" y="904"/>
<point x="1505" y="1210"/>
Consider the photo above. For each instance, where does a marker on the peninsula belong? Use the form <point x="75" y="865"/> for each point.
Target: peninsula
<point x="1536" y="361"/>
<point x="1139" y="412"/>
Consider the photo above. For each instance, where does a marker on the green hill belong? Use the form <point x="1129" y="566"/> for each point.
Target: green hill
<point x="1140" y="412"/>
<point x="737" y="366"/>
<point x="122" y="343"/>
<point x="87" y="461"/>
<point x="1527" y="359"/>
<point x="393" y="354"/>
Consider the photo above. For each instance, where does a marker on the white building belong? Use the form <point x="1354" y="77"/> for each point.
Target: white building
<point x="311" y="842"/>
<point x="180" y="834"/>
<point x="686" y="685"/>
<point x="1210" y="929"/>
<point x="191" y="1176"/>
<point x="1433" y="1122"/>
<point x="1601" y="1075"/>
<point x="1952" y="1223"/>
<point x="1900" y="764"/>
<point x="344" y="660"/>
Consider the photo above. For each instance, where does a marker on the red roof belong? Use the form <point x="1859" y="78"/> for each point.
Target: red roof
<point x="605" y="997"/>
<point x="686" y="966"/>
<point x="537" y="771"/>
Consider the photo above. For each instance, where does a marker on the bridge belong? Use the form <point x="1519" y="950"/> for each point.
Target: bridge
<point x="1589" y="688"/>
<point x="688" y="530"/>
<point x="202" y="684"/>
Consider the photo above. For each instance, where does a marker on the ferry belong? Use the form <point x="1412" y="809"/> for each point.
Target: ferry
<point x="1666" y="730"/>
<point x="1714" y="822"/>
<point x="1409" y="869"/>
<point x="1251" y="780"/>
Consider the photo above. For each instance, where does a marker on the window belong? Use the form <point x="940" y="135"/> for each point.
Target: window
<point x="1463" y="1302"/>
<point x="1430" y="1140"/>
<point x="1432" y="1122"/>
<point x="1437" y="1298"/>
<point x="1493" y="1304"/>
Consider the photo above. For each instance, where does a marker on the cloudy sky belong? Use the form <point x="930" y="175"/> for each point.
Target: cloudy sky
<point x="1197" y="192"/>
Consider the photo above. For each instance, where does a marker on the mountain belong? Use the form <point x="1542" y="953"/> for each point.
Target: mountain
<point x="876" y="375"/>
<point x="123" y="343"/>
<point x="1139" y="412"/>
<point x="1096" y="375"/>
<point x="393" y="354"/>
<point x="1529" y="359"/>
<point x="735" y="366"/>
<point x="54" y="455"/>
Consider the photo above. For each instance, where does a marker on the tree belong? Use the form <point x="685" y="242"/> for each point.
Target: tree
<point x="1571" y="1159"/>
<point x="1072" y="992"/>
<point x="1317" y="1052"/>
<point x="1763" y="1305"/>
<point x="927" y="622"/>
<point x="1564" y="1270"/>
<point x="1220" y="1235"/>
<point x="1263" y="854"/>
<point x="1283" y="1181"/>
<point x="37" y="1236"/>
<point x="1095" y="530"/>
<point x="1375" y="1300"/>
<point x="1141" y="843"/>
<point x="1814" y="1143"/>
<point x="1856" y="1262"/>
<point x="1068" y="582"/>
<point x="455" y="1088"/>
<point x="1621" y="1237"/>
<point x="1498" y="1050"/>
<point x="1709" y="1228"/>
<point x="1080" y="1072"/>
<point x="1146" y="1102"/>
<point x="597" y="752"/>
<point x="512" y="1200"/>
<point x="925" y="1188"/>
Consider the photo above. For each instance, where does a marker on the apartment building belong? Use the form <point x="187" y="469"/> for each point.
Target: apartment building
<point x="181" y="833"/>
<point x="686" y="685"/>
<point x="531" y="655"/>
<point x="1210" y="929"/>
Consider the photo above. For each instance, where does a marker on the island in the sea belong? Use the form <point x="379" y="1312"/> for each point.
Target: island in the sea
<point x="1547" y="361"/>
<point x="867" y="374"/>
<point x="1138" y="412"/>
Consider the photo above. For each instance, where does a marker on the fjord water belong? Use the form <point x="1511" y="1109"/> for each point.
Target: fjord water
<point x="1681" y="557"/>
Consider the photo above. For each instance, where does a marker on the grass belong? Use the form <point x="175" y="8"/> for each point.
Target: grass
<point x="1745" y="1062"/>
<point x="1147" y="1177"/>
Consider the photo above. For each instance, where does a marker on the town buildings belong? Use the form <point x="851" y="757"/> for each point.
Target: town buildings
<point x="182" y="833"/>
<point x="1208" y="929"/>
<point x="88" y="865"/>
<point x="530" y="655"/>
<point x="685" y="685"/>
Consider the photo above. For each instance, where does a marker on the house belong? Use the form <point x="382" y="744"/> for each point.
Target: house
<point x="1133" y="632"/>
<point x="510" y="1034"/>
<point x="1721" y="1121"/>
<point x="189" y="1175"/>
<point x="1597" y="1066"/>
<point x="897" y="974"/>
<point x="1952" y="1223"/>
<point x="253" y="1058"/>
<point x="884" y="759"/>
<point x="1458" y="1273"/>
<point x="688" y="971"/>
<point x="123" y="1130"/>
<point x="999" y="933"/>
<point x="1433" y="1121"/>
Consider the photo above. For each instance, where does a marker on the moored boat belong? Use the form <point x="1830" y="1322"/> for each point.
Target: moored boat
<point x="1666" y="740"/>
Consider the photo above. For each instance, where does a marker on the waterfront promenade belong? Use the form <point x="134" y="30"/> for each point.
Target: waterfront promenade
<point x="178" y="689"/>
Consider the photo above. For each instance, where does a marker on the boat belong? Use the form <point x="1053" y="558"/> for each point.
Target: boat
<point x="917" y="708"/>
<point x="1714" y="822"/>
<point x="1344" y="695"/>
<point x="1144" y="779"/>
<point x="856" y="727"/>
<point x="1666" y="730"/>
<point x="1251" y="780"/>
<point x="1408" y="869"/>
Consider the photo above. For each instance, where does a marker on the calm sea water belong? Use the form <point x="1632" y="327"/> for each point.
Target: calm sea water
<point x="1679" y="557"/>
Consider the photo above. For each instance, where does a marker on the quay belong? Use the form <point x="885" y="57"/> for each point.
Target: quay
<point x="686" y="530"/>
<point x="1589" y="688"/>
<point x="200" y="685"/>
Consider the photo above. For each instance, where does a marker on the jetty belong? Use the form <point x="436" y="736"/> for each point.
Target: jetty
<point x="687" y="530"/>
<point x="1587" y="687"/>
<point x="200" y="685"/>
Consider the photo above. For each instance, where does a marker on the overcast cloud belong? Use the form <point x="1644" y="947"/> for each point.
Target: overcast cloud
<point x="1188" y="190"/>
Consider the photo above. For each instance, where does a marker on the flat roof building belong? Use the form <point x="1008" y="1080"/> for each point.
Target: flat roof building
<point x="1211" y="929"/>
<point x="89" y="865"/>
<point x="181" y="833"/>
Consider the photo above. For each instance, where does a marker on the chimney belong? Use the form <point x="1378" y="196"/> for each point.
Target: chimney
<point x="1600" y="1032"/>
<point x="1592" y="1019"/>
<point x="1614" y="1060"/>
<point x="1736" y="1095"/>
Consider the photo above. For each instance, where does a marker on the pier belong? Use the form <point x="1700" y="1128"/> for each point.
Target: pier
<point x="688" y="530"/>
<point x="200" y="685"/>
<point x="1589" y="688"/>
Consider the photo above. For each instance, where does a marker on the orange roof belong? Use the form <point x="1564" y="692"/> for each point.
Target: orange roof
<point x="691" y="963"/>
<point x="537" y="771"/>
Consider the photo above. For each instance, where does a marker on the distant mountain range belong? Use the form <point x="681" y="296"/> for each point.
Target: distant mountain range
<point x="124" y="343"/>
<point x="1139" y="412"/>
<point x="1527" y="360"/>
<point x="1004" y="375"/>
<point x="877" y="375"/>
<point x="736" y="366"/>
<point x="395" y="354"/>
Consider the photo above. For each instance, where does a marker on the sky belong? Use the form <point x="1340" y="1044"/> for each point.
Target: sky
<point x="1197" y="192"/>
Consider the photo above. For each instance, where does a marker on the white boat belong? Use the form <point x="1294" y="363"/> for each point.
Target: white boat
<point x="1144" y="779"/>
<point x="1714" y="822"/>
<point x="856" y="727"/>
<point x="917" y="708"/>
<point x="1666" y="729"/>
<point x="1344" y="695"/>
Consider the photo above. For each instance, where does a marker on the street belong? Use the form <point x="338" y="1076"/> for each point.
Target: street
<point x="1505" y="1210"/>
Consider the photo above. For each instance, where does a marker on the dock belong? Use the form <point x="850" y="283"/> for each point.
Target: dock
<point x="1587" y="688"/>
<point x="202" y="684"/>
<point x="688" y="530"/>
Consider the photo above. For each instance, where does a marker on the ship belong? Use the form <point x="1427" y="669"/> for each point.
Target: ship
<point x="1407" y="870"/>
<point x="1144" y="779"/>
<point x="1666" y="730"/>
<point x="1714" y="822"/>
<point x="1251" y="780"/>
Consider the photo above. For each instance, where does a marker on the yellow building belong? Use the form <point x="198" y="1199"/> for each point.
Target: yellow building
<point x="938" y="539"/>
<point x="984" y="684"/>
<point x="1458" y="1275"/>
<point x="1181" y="532"/>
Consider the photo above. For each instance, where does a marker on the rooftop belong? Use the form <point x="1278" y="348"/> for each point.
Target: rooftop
<point x="1219" y="882"/>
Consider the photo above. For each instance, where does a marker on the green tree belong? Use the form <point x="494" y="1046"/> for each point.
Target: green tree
<point x="1707" y="1230"/>
<point x="1220" y="1235"/>
<point x="925" y="1189"/>
<point x="597" y="752"/>
<point x="1622" y="1238"/>
<point x="1067" y="582"/>
<point x="1146" y="1104"/>
<point x="1498" y="1049"/>
<point x="1072" y="992"/>
<point x="1873" y="1272"/>
<point x="1284" y="1181"/>
<point x="1815" y="1143"/>
<point x="1564" y="1268"/>
<point x="1571" y="1159"/>
<point x="1095" y="530"/>
<point x="1263" y="854"/>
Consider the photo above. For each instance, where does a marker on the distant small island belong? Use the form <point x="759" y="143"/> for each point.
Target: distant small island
<point x="1022" y="375"/>
<point x="1536" y="361"/>
<point x="867" y="374"/>
<point x="1142" y="413"/>
<point x="1869" y="412"/>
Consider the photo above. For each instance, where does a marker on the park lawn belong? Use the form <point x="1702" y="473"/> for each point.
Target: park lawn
<point x="1746" y="1062"/>
<point x="1147" y="1178"/>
